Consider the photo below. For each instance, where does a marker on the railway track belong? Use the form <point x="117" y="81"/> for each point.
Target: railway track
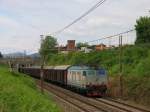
<point x="122" y="105"/>
<point x="70" y="104"/>
<point x="90" y="104"/>
<point x="84" y="107"/>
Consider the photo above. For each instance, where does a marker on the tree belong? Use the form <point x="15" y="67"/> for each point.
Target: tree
<point x="80" y="44"/>
<point x="1" y="56"/>
<point x="48" y="47"/>
<point x="143" y="30"/>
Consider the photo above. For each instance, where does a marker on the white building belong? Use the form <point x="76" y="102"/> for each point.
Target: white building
<point x="85" y="50"/>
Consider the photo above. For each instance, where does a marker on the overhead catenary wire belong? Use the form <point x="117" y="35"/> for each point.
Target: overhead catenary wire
<point x="112" y="36"/>
<point x="79" y="18"/>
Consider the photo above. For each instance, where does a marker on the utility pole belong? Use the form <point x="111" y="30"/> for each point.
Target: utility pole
<point x="10" y="65"/>
<point x="24" y="55"/>
<point x="42" y="69"/>
<point x="120" y="66"/>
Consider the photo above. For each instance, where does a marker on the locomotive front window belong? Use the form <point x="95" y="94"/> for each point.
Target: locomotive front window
<point x="91" y="72"/>
<point x="84" y="73"/>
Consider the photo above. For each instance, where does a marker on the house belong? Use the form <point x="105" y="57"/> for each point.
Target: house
<point x="100" y="47"/>
<point x="86" y="49"/>
<point x="68" y="48"/>
<point x="71" y="45"/>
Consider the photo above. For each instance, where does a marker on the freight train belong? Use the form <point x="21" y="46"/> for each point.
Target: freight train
<point x="86" y="80"/>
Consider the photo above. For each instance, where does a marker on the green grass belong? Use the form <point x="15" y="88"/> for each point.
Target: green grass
<point x="18" y="93"/>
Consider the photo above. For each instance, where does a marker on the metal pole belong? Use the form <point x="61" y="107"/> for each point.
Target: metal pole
<point x="42" y="70"/>
<point x="120" y="66"/>
<point x="10" y="66"/>
<point x="42" y="79"/>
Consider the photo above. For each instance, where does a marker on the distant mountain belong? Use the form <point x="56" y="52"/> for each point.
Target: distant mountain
<point x="14" y="55"/>
<point x="35" y="55"/>
<point x="20" y="55"/>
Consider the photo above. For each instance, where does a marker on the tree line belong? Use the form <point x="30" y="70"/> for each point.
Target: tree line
<point x="1" y="56"/>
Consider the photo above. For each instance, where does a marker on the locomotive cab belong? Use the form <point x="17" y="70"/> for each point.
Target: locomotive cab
<point x="96" y="81"/>
<point x="87" y="80"/>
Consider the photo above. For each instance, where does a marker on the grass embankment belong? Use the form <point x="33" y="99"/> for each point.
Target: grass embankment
<point x="18" y="93"/>
<point x="136" y="68"/>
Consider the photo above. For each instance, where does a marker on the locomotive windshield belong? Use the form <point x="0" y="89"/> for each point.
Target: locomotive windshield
<point x="96" y="76"/>
<point x="91" y="72"/>
<point x="84" y="73"/>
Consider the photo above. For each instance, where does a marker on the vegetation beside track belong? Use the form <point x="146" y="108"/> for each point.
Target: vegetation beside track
<point x="18" y="93"/>
<point x="136" y="68"/>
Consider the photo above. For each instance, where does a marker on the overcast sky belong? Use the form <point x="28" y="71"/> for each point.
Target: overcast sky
<point x="23" y="21"/>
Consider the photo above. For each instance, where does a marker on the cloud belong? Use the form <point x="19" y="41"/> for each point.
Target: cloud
<point x="22" y="21"/>
<point x="84" y="1"/>
<point x="96" y="21"/>
<point x="8" y="23"/>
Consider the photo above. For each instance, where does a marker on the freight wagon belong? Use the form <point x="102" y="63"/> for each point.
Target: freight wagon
<point x="86" y="80"/>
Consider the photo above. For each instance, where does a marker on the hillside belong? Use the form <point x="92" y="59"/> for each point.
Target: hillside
<point x="136" y="68"/>
<point x="18" y="93"/>
<point x="135" y="59"/>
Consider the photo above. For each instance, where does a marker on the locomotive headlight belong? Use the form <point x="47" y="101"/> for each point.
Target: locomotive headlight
<point x="83" y="85"/>
<point x="87" y="83"/>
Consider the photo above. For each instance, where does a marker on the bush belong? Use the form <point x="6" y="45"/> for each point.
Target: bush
<point x="137" y="88"/>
